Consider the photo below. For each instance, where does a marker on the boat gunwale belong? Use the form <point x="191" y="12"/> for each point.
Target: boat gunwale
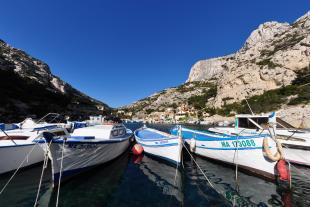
<point x="209" y="137"/>
<point x="168" y="136"/>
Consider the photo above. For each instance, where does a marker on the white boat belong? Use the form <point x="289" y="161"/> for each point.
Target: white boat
<point x="86" y="148"/>
<point x="160" y="144"/>
<point x="18" y="149"/>
<point x="17" y="141"/>
<point x="295" y="142"/>
<point x="245" y="151"/>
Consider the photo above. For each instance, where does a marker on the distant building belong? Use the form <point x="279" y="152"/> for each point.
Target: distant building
<point x="93" y="120"/>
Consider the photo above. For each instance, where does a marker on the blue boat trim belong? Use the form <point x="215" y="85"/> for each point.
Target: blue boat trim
<point x="153" y="140"/>
<point x="45" y="127"/>
<point x="159" y="145"/>
<point x="148" y="136"/>
<point x="203" y="136"/>
<point x="229" y="148"/>
<point x="82" y="137"/>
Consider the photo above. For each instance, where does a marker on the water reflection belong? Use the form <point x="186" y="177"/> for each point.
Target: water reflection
<point x="129" y="182"/>
<point x="23" y="188"/>
<point x="167" y="178"/>
<point x="300" y="194"/>
<point x="92" y="188"/>
<point x="250" y="190"/>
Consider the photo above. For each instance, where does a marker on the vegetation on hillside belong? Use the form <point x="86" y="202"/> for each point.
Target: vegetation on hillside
<point x="297" y="93"/>
<point x="199" y="101"/>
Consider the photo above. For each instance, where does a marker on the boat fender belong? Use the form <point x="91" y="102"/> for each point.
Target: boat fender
<point x="267" y="152"/>
<point x="283" y="170"/>
<point x="193" y="145"/>
<point x="137" y="149"/>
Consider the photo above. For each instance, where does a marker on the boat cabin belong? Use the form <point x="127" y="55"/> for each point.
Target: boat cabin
<point x="258" y="122"/>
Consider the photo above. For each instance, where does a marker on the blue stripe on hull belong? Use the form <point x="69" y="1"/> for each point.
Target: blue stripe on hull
<point x="206" y="136"/>
<point x="230" y="148"/>
<point x="161" y="145"/>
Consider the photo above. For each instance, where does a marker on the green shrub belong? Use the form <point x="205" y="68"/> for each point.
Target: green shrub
<point x="199" y="102"/>
<point x="273" y="99"/>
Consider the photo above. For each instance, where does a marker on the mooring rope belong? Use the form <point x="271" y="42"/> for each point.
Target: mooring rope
<point x="21" y="164"/>
<point x="236" y="163"/>
<point x="237" y="150"/>
<point x="45" y="162"/>
<point x="199" y="166"/>
<point x="60" y="172"/>
<point x="205" y="176"/>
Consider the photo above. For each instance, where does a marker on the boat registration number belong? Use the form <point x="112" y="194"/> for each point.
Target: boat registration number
<point x="82" y="146"/>
<point x="239" y="143"/>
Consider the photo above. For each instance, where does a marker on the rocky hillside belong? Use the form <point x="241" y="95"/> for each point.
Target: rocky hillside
<point x="28" y="87"/>
<point x="271" y="71"/>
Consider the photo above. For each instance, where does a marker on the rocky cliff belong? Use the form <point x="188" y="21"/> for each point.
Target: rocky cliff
<point x="28" y="87"/>
<point x="271" y="69"/>
<point x="269" y="59"/>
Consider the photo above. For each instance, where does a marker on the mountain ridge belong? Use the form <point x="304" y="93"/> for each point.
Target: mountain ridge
<point x="23" y="74"/>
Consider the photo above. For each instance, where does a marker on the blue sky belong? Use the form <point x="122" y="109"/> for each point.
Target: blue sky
<point x="121" y="51"/>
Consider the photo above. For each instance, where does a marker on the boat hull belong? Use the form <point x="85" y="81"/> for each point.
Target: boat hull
<point x="81" y="156"/>
<point x="297" y="152"/>
<point x="166" y="147"/>
<point x="297" y="156"/>
<point x="12" y="156"/>
<point x="249" y="159"/>
<point x="169" y="153"/>
<point x="245" y="151"/>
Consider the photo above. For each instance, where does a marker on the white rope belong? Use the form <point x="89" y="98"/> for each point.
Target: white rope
<point x="21" y="164"/>
<point x="236" y="163"/>
<point x="237" y="150"/>
<point x="292" y="166"/>
<point x="41" y="178"/>
<point x="209" y="181"/>
<point x="60" y="172"/>
<point x="45" y="161"/>
<point x="198" y="166"/>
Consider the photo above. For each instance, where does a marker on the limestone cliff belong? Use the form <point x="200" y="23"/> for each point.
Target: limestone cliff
<point x="269" y="59"/>
<point x="271" y="71"/>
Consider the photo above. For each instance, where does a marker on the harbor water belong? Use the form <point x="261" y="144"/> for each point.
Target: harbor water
<point x="131" y="181"/>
